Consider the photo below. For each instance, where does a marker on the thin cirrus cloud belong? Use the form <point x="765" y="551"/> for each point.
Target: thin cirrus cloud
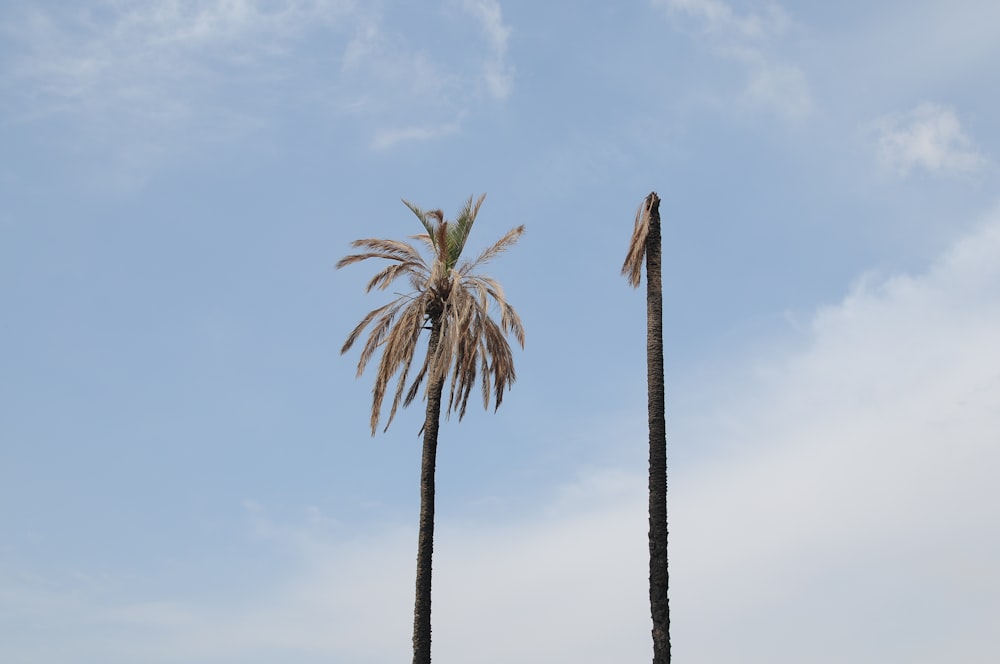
<point x="387" y="138"/>
<point x="142" y="84"/>
<point x="130" y="57"/>
<point x="719" y="18"/>
<point x="928" y="138"/>
<point x="771" y="82"/>
<point x="494" y="81"/>
<point x="842" y="508"/>
<point x="497" y="72"/>
<point x="154" y="76"/>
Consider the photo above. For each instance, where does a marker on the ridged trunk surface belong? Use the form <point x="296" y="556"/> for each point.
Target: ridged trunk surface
<point x="659" y="578"/>
<point x="425" y="537"/>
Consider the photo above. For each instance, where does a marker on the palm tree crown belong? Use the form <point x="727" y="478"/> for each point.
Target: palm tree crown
<point x="444" y="293"/>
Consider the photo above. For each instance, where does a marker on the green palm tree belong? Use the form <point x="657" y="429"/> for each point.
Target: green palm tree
<point x="646" y="243"/>
<point x="453" y="302"/>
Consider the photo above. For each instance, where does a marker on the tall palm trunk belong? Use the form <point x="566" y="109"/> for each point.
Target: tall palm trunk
<point x="658" y="571"/>
<point x="425" y="537"/>
<point x="445" y="293"/>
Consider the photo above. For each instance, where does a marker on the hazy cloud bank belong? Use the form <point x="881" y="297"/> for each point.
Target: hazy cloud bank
<point x="851" y="499"/>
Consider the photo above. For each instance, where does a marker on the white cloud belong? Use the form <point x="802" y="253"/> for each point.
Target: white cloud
<point x="780" y="87"/>
<point x="930" y="137"/>
<point x="841" y="506"/>
<point x="138" y="81"/>
<point x="389" y="138"/>
<point x="717" y="17"/>
<point x="854" y="518"/>
<point x="137" y="55"/>
<point x="924" y="45"/>
<point x="497" y="73"/>
<point x="365" y="43"/>
<point x="771" y="82"/>
<point x="352" y="601"/>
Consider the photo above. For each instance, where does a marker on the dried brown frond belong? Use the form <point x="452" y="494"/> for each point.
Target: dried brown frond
<point x="403" y="249"/>
<point x="417" y="381"/>
<point x="426" y="240"/>
<point x="511" y="322"/>
<point x="498" y="247"/>
<point x="478" y="204"/>
<point x="632" y="267"/>
<point x="379" y="248"/>
<point x="441" y="242"/>
<point x="419" y="281"/>
<point x="485" y="369"/>
<point x="501" y="360"/>
<point x="410" y="326"/>
<point x="384" y="278"/>
<point x="398" y="350"/>
<point x="488" y="284"/>
<point x="378" y="333"/>
<point x="353" y="336"/>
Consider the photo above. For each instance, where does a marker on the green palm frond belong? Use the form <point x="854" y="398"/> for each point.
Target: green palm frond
<point x="422" y="216"/>
<point x="458" y="234"/>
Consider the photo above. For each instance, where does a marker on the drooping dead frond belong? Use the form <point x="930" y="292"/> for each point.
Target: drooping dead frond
<point x="436" y="214"/>
<point x="632" y="268"/>
<point x="441" y="243"/>
<point x="378" y="333"/>
<point x="387" y="249"/>
<point x="426" y="239"/>
<point x="384" y="278"/>
<point x="511" y="323"/>
<point x="397" y="356"/>
<point x="353" y="336"/>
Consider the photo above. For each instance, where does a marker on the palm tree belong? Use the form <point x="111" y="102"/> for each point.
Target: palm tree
<point x="452" y="302"/>
<point x="646" y="243"/>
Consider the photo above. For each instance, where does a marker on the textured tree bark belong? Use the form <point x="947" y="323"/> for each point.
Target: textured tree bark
<point x="425" y="537"/>
<point x="659" y="578"/>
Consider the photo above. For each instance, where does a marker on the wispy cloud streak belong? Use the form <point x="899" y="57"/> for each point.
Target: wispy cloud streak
<point x="748" y="38"/>
<point x="141" y="56"/>
<point x="497" y="72"/>
<point x="389" y="138"/>
<point x="139" y="80"/>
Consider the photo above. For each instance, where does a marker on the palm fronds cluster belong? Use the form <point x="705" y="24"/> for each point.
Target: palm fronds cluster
<point x="450" y="299"/>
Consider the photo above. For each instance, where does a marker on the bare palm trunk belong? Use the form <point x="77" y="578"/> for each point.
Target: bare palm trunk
<point x="658" y="572"/>
<point x="425" y="537"/>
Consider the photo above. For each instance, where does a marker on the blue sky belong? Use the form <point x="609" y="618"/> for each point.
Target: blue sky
<point x="185" y="469"/>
